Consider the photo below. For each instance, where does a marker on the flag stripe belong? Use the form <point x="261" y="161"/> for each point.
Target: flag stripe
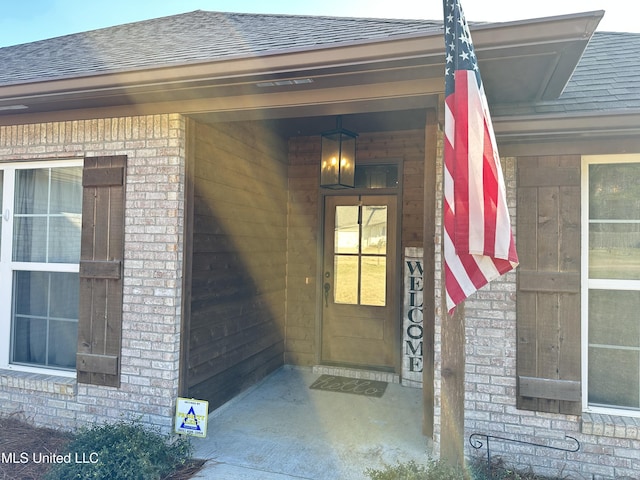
<point x="466" y="81"/>
<point x="460" y="168"/>
<point x="491" y="186"/>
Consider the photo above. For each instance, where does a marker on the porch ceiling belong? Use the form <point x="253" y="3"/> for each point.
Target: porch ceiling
<point x="521" y="61"/>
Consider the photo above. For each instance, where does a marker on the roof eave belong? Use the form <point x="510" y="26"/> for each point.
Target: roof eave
<point x="541" y="127"/>
<point x="560" y="40"/>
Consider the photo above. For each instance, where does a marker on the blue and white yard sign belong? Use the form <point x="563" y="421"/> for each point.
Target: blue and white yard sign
<point x="191" y="417"/>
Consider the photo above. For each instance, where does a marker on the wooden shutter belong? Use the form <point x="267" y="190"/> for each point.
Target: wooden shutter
<point x="101" y="264"/>
<point x="548" y="299"/>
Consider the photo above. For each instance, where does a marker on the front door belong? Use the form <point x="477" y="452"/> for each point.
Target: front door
<point x="359" y="324"/>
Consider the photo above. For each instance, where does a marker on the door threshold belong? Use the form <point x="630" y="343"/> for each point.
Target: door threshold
<point x="388" y="377"/>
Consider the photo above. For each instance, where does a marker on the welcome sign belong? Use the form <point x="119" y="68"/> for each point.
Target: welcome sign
<point x="412" y="329"/>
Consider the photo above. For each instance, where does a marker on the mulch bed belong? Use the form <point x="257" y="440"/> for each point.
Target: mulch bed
<point x="18" y="436"/>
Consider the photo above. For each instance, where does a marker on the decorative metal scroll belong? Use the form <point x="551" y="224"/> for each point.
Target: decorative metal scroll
<point x="475" y="442"/>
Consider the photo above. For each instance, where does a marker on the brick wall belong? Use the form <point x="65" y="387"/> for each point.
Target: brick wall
<point x="152" y="271"/>
<point x="610" y="446"/>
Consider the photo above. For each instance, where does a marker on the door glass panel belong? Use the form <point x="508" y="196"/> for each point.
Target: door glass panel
<point x="374" y="229"/>
<point x="47" y="220"/>
<point x="374" y="245"/>
<point x="346" y="279"/>
<point x="347" y="231"/>
<point x="45" y="318"/>
<point x="373" y="287"/>
<point x="360" y="244"/>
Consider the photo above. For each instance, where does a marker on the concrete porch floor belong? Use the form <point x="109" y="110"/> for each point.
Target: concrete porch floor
<point x="280" y="429"/>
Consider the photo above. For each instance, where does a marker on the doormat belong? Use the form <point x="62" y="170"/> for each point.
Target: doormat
<point x="357" y="386"/>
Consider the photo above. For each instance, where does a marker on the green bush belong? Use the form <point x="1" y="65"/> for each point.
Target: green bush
<point x="434" y="470"/>
<point x="438" y="470"/>
<point x="121" y="451"/>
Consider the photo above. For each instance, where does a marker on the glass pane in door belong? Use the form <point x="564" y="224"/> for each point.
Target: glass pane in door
<point x="374" y="281"/>
<point x="374" y="229"/>
<point x="347" y="230"/>
<point x="346" y="279"/>
<point x="346" y="248"/>
<point x="373" y="286"/>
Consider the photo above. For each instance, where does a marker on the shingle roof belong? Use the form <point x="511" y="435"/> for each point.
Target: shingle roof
<point x="608" y="74"/>
<point x="187" y="38"/>
<point x="606" y="78"/>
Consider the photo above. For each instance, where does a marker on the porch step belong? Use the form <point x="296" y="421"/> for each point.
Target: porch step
<point x="356" y="373"/>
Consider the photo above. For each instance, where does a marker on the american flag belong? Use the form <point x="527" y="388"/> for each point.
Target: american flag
<point x="478" y="242"/>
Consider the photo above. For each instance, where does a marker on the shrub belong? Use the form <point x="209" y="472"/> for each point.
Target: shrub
<point x="121" y="451"/>
<point x="438" y="470"/>
<point x="434" y="470"/>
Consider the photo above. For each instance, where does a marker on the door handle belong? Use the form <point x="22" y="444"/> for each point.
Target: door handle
<point x="327" y="287"/>
<point x="6" y="215"/>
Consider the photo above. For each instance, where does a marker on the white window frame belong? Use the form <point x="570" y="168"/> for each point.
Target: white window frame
<point x="603" y="284"/>
<point x="8" y="266"/>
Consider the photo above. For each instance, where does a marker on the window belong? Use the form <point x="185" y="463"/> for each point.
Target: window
<point x="376" y="176"/>
<point x="611" y="283"/>
<point x="39" y="264"/>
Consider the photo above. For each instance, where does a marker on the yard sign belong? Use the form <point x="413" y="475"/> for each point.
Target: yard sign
<point x="191" y="417"/>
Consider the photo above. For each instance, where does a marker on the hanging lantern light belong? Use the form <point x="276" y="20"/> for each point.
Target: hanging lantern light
<point x="338" y="158"/>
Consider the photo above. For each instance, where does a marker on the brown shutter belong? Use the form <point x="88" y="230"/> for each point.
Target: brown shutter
<point x="548" y="299"/>
<point x="101" y="264"/>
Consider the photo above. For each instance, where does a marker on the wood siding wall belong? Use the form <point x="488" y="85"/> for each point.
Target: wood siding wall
<point x="303" y="221"/>
<point x="235" y="329"/>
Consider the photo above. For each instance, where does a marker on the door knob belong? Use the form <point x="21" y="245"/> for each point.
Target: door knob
<point x="327" y="287"/>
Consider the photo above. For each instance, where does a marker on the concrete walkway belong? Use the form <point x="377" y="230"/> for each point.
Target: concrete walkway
<point x="282" y="430"/>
